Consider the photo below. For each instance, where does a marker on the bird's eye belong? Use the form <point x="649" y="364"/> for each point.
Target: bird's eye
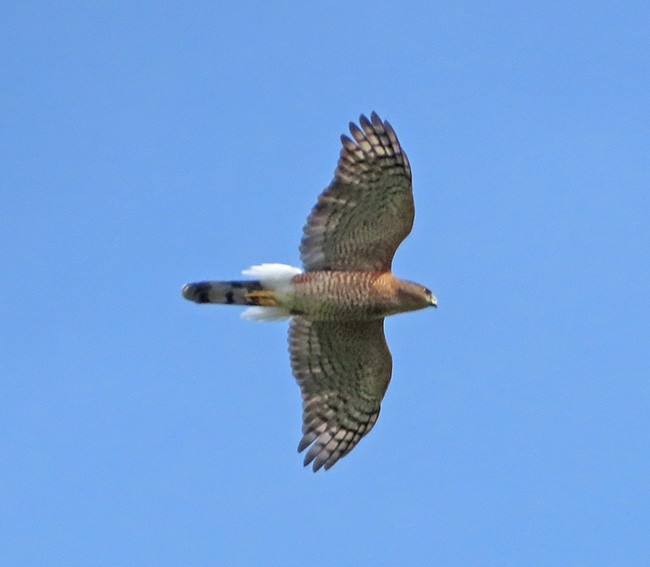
<point x="427" y="291"/>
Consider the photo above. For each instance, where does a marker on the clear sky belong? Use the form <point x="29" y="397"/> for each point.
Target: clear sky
<point x="145" y="145"/>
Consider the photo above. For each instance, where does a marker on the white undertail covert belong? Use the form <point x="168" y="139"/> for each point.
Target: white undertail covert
<point x="276" y="277"/>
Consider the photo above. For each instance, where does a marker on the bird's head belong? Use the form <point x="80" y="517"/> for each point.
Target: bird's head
<point x="412" y="296"/>
<point x="432" y="300"/>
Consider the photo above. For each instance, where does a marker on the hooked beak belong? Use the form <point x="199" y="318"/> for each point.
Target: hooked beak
<point x="433" y="301"/>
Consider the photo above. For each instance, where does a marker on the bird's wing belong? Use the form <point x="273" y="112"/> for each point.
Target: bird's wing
<point x="343" y="369"/>
<point x="367" y="210"/>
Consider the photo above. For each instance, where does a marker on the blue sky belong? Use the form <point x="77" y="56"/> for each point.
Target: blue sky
<point x="147" y="146"/>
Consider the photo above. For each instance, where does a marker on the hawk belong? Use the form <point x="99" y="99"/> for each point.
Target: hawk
<point x="337" y="305"/>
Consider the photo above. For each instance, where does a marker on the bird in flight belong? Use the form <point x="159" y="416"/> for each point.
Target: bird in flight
<point x="338" y="303"/>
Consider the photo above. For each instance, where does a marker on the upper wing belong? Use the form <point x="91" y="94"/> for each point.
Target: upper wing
<point x="367" y="210"/>
<point x="343" y="369"/>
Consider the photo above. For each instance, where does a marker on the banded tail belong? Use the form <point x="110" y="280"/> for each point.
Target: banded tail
<point x="230" y="293"/>
<point x="261" y="295"/>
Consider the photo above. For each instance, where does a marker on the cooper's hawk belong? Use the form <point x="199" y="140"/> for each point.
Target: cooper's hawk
<point x="337" y="305"/>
